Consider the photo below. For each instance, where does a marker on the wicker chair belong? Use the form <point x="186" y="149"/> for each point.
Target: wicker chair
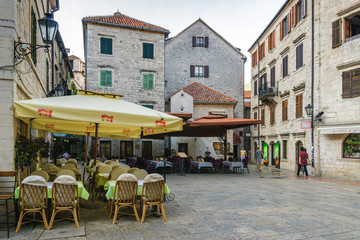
<point x="108" y="162"/>
<point x="41" y="173"/>
<point x="115" y="173"/>
<point x="124" y="167"/>
<point x="52" y="170"/>
<point x="31" y="199"/>
<point x="73" y="168"/>
<point x="72" y="162"/>
<point x="132" y="170"/>
<point x="67" y="172"/>
<point x="113" y="164"/>
<point x="153" y="195"/>
<point x="125" y="195"/>
<point x="140" y="174"/>
<point x="65" y="198"/>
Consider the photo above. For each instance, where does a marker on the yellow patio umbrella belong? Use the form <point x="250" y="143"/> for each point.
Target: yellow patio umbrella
<point x="95" y="114"/>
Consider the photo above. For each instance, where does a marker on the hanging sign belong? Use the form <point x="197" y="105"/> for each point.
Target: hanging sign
<point x="305" y="124"/>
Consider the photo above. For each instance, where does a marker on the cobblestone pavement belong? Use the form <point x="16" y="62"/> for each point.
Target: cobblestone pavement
<point x="268" y="205"/>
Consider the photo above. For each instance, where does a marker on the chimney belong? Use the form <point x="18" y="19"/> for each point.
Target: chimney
<point x="117" y="14"/>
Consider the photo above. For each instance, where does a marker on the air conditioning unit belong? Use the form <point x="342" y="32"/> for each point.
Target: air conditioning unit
<point x="272" y="90"/>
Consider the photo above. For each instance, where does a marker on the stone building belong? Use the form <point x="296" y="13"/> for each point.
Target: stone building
<point x="125" y="56"/>
<point x="78" y="68"/>
<point x="286" y="79"/>
<point x="199" y="101"/>
<point x="28" y="77"/>
<point x="200" y="54"/>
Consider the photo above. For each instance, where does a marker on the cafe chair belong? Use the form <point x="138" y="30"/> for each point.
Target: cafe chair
<point x="107" y="162"/>
<point x="52" y="170"/>
<point x="124" y="167"/>
<point x="7" y="189"/>
<point x="125" y="195"/>
<point x="41" y="173"/>
<point x="153" y="195"/>
<point x="32" y="199"/>
<point x="113" y="164"/>
<point x="132" y="170"/>
<point x="76" y="171"/>
<point x="65" y="198"/>
<point x="115" y="174"/>
<point x="67" y="172"/>
<point x="140" y="174"/>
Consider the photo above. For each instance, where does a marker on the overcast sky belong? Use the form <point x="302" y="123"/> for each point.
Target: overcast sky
<point x="239" y="21"/>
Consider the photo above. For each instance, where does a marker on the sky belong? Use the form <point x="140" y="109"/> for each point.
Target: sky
<point x="240" y="22"/>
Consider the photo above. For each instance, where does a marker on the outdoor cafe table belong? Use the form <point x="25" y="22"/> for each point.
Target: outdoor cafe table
<point x="204" y="164"/>
<point x="101" y="179"/>
<point x="233" y="164"/>
<point x="81" y="190"/>
<point x="161" y="164"/>
<point x="110" y="187"/>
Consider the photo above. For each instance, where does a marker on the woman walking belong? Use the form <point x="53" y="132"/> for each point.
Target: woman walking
<point x="303" y="160"/>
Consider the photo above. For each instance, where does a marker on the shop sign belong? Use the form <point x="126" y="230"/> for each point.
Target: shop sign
<point x="305" y="124"/>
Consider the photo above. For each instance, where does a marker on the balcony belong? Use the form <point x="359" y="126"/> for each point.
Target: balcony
<point x="267" y="93"/>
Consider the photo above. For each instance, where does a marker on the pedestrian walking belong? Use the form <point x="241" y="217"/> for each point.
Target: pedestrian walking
<point x="243" y="154"/>
<point x="303" y="160"/>
<point x="259" y="156"/>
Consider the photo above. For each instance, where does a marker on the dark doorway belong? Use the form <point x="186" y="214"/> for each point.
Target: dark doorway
<point x="147" y="149"/>
<point x="272" y="144"/>
<point x="298" y="146"/>
<point x="183" y="147"/>
<point x="105" y="149"/>
<point x="236" y="150"/>
<point x="126" y="149"/>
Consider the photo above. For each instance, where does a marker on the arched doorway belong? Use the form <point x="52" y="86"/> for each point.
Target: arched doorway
<point x="298" y="146"/>
<point x="272" y="154"/>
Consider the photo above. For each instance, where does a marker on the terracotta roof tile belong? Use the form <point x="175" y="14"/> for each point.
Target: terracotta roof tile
<point x="247" y="94"/>
<point x="123" y="20"/>
<point x="202" y="93"/>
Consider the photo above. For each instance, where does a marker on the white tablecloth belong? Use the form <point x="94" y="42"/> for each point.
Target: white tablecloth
<point x="161" y="164"/>
<point x="234" y="164"/>
<point x="205" y="165"/>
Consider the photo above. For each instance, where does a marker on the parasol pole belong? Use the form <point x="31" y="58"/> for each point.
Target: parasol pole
<point x="95" y="159"/>
<point x="86" y="153"/>
<point x="225" y="145"/>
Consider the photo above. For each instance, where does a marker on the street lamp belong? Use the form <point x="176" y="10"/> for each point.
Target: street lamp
<point x="48" y="28"/>
<point x="309" y="110"/>
<point x="56" y="92"/>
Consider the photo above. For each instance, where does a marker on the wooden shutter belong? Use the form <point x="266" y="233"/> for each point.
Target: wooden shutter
<point x="281" y="30"/>
<point x="263" y="116"/>
<point x="255" y="115"/>
<point x="301" y="54"/>
<point x="297" y="56"/>
<point x="206" y="71"/>
<point x="272" y="77"/>
<point x="294" y="17"/>
<point x="273" y="39"/>
<point x="150" y="81"/>
<point x="192" y="70"/>
<point x="304" y="8"/>
<point x="347" y="28"/>
<point x="272" y="114"/>
<point x="194" y="41"/>
<point x="109" y="46"/>
<point x="336" y="33"/>
<point x="285" y="66"/>
<point x="289" y="22"/>
<point x="355" y="83"/>
<point x="151" y="50"/>
<point x="269" y="42"/>
<point x="102" y="77"/>
<point x="346" y="84"/>
<point x="206" y="42"/>
<point x="284" y="110"/>
<point x="108" y="80"/>
<point x="33" y="36"/>
<point x="255" y="88"/>
<point x="298" y="107"/>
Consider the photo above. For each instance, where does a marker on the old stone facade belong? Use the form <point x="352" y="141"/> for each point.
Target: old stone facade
<point x="131" y="53"/>
<point x="27" y="78"/>
<point x="78" y="68"/>
<point x="199" y="54"/>
<point x="282" y="87"/>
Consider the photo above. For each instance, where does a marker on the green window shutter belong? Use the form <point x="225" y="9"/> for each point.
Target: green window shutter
<point x="109" y="79"/>
<point x="47" y="76"/>
<point x="106" y="46"/>
<point x="148" y="50"/>
<point x="148" y="106"/>
<point x="33" y="36"/>
<point x="102" y="77"/>
<point x="106" y="78"/>
<point x="148" y="81"/>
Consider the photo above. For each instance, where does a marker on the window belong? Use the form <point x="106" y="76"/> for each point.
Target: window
<point x="200" y="41"/>
<point x="33" y="35"/>
<point x="263" y="117"/>
<point x="352" y="146"/>
<point x="151" y="106"/>
<point x="148" y="50"/>
<point x="148" y="81"/>
<point x="105" y="149"/>
<point x="285" y="26"/>
<point x="106" y="46"/>
<point x="72" y="64"/>
<point x="299" y="106"/>
<point x="272" y="77"/>
<point x="298" y="11"/>
<point x="271" y="41"/>
<point x="352" y="27"/>
<point x="272" y="114"/>
<point x="336" y="33"/>
<point x="263" y="84"/>
<point x="106" y="78"/>
<point x="262" y="51"/>
<point x="284" y="148"/>
<point x="285" y="71"/>
<point x="351" y="83"/>
<point x="255" y="117"/>
<point x="285" y="110"/>
<point x="299" y="56"/>
<point x="255" y="88"/>
<point x="199" y="71"/>
<point x="254" y="59"/>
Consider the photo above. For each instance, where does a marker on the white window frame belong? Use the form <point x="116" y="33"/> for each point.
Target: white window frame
<point x="199" y="73"/>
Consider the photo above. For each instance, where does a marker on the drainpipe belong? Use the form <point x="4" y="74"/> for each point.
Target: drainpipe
<point x="258" y="94"/>
<point x="312" y="82"/>
<point x="85" y="53"/>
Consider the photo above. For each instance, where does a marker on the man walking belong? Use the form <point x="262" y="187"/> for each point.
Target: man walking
<point x="259" y="156"/>
<point x="303" y="160"/>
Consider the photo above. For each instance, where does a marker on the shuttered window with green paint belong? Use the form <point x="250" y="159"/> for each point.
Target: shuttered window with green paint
<point x="148" y="50"/>
<point x="148" y="106"/>
<point x="148" y="81"/>
<point x="106" y="78"/>
<point x="33" y="36"/>
<point x="106" y="46"/>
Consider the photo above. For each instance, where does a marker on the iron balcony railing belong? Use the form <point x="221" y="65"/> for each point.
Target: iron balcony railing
<point x="264" y="90"/>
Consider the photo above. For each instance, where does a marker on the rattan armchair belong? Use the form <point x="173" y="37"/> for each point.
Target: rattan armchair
<point x="65" y="198"/>
<point x="140" y="174"/>
<point x="32" y="199"/>
<point x="115" y="174"/>
<point x="132" y="170"/>
<point x="124" y="167"/>
<point x="52" y="170"/>
<point x="67" y="172"/>
<point x="125" y="195"/>
<point x="153" y="195"/>
<point x="41" y="173"/>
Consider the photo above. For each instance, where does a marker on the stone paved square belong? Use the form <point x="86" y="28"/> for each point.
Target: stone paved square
<point x="268" y="205"/>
